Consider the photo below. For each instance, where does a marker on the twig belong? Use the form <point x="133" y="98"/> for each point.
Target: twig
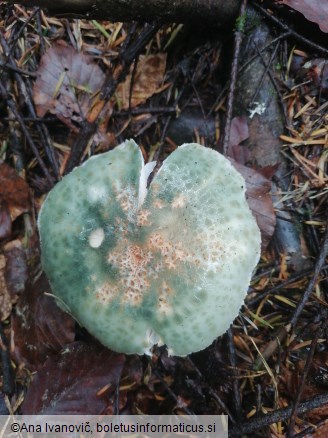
<point x="300" y="386"/>
<point x="117" y="399"/>
<point x="39" y="28"/>
<point x="159" y="150"/>
<point x="133" y="75"/>
<point x="51" y="119"/>
<point x="274" y="83"/>
<point x="13" y="39"/>
<point x="41" y="128"/>
<point x="234" y="71"/>
<point x="178" y="403"/>
<point x="12" y="106"/>
<point x="283" y="331"/>
<point x="244" y="66"/>
<point x="17" y="70"/>
<point x="233" y="363"/>
<point x="317" y="269"/>
<point x="90" y="125"/>
<point x="200" y="12"/>
<point x="291" y="279"/>
<point x="211" y="392"/>
<point x="292" y="33"/>
<point x="278" y="415"/>
<point x="146" y="110"/>
<point x="266" y="71"/>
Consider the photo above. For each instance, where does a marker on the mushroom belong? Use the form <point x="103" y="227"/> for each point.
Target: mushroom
<point x="136" y="267"/>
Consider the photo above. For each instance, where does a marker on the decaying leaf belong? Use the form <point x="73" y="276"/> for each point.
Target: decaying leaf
<point x="313" y="10"/>
<point x="147" y="78"/>
<point x="40" y="327"/>
<point x="238" y="134"/>
<point x="258" y="186"/>
<point x="67" y="83"/>
<point x="81" y="380"/>
<point x="259" y="200"/>
<point x="14" y="191"/>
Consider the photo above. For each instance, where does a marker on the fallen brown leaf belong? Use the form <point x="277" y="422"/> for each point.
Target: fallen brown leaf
<point x="67" y="83"/>
<point x="147" y="78"/>
<point x="81" y="380"/>
<point x="238" y="133"/>
<point x="259" y="200"/>
<point x="14" y="191"/>
<point x="40" y="327"/>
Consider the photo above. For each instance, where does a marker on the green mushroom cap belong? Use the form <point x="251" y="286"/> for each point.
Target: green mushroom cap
<point x="136" y="267"/>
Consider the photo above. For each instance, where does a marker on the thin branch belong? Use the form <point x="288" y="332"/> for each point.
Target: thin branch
<point x="6" y="66"/>
<point x="292" y="33"/>
<point x="12" y="105"/>
<point x="90" y="125"/>
<point x="273" y="81"/>
<point x="146" y="110"/>
<point x="278" y="415"/>
<point x="317" y="269"/>
<point x="284" y="330"/>
<point x="212" y="393"/>
<point x="199" y="12"/>
<point x="300" y="387"/>
<point x="233" y="363"/>
<point x="41" y="128"/>
<point x="234" y="71"/>
<point x="266" y="71"/>
<point x="260" y="296"/>
<point x="244" y="66"/>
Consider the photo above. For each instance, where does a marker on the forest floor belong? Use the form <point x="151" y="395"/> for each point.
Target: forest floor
<point x="269" y="373"/>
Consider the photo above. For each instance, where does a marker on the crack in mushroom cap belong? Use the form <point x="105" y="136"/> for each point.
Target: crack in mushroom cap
<point x="169" y="265"/>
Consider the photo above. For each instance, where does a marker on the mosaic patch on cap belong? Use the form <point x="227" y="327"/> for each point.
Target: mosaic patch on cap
<point x="166" y="265"/>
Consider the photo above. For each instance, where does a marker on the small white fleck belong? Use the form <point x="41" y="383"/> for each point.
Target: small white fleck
<point x="96" y="238"/>
<point x="258" y="109"/>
